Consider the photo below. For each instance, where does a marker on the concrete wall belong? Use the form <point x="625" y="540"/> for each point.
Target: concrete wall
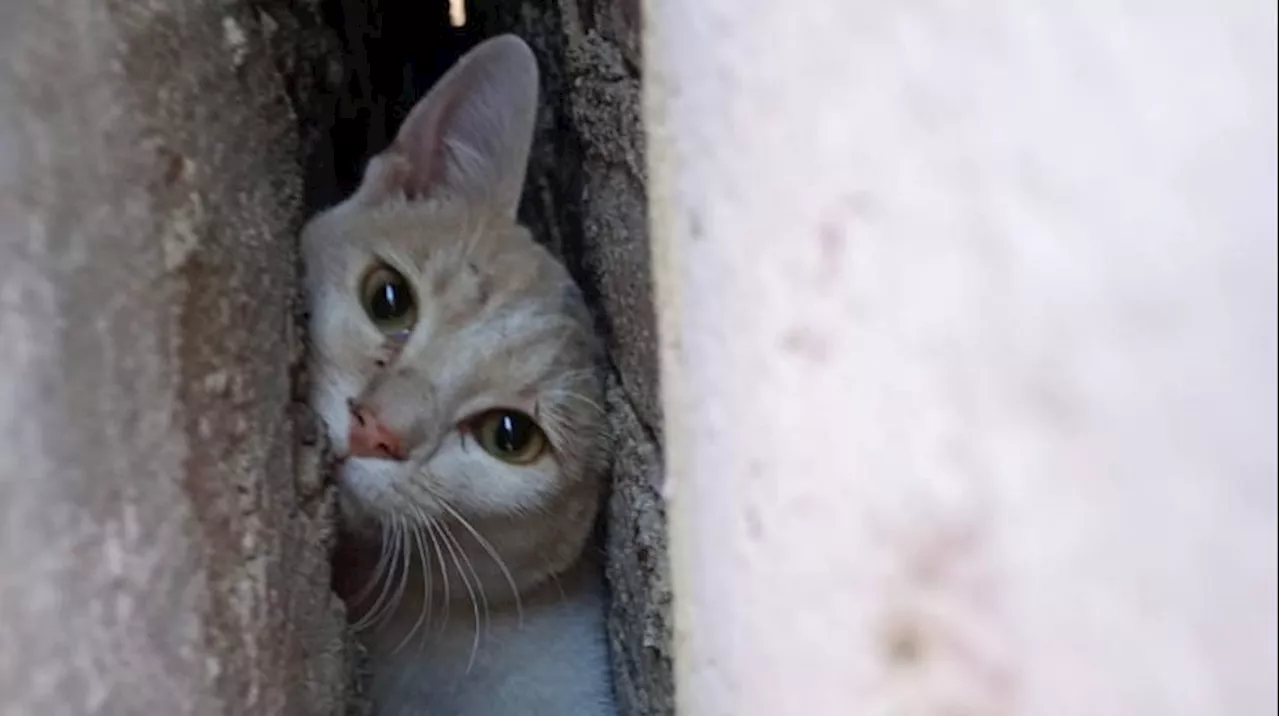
<point x="968" y="318"/>
<point x="586" y="197"/>
<point x="162" y="529"/>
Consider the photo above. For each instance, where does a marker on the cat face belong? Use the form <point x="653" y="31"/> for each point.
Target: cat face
<point x="454" y="365"/>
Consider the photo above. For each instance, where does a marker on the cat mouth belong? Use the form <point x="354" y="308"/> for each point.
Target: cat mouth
<point x="341" y="465"/>
<point x="342" y="460"/>
<point x="366" y="460"/>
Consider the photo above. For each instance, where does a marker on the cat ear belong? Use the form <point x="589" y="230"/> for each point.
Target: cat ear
<point x="470" y="136"/>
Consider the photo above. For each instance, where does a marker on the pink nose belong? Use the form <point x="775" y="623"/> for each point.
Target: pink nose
<point x="370" y="438"/>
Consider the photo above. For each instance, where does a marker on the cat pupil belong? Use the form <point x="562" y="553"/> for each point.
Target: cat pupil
<point x="389" y="302"/>
<point x="512" y="433"/>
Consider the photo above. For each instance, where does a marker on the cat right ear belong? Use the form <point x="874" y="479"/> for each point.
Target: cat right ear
<point x="469" y="137"/>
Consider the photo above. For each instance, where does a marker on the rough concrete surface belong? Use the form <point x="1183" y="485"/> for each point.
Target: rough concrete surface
<point x="162" y="539"/>
<point x="640" y="586"/>
<point x="586" y="197"/>
<point x="968" y="317"/>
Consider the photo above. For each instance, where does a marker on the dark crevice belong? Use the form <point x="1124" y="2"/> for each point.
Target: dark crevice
<point x="392" y="52"/>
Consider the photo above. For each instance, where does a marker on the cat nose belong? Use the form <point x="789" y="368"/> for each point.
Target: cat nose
<point x="370" y="438"/>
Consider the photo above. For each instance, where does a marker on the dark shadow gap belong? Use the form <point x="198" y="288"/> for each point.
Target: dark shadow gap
<point x="393" y="51"/>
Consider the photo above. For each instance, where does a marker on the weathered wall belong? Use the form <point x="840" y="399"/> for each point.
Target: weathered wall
<point x="162" y="541"/>
<point x="586" y="198"/>
<point x="969" y="354"/>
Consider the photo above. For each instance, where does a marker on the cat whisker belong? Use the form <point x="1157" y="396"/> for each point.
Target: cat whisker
<point x="555" y="578"/>
<point x="428" y="593"/>
<point x="425" y="608"/>
<point x="565" y="394"/>
<point x="379" y="568"/>
<point x="400" y="574"/>
<point x="403" y="582"/>
<point x="570" y="376"/>
<point x="491" y="551"/>
<point x="433" y="530"/>
<point x="419" y="522"/>
<point x="471" y="567"/>
<point x="475" y="605"/>
<point x="579" y="373"/>
<point x="565" y="381"/>
<point x="392" y="536"/>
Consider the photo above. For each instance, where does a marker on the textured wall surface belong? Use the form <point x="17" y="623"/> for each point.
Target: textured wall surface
<point x="586" y="197"/>
<point x="162" y="538"/>
<point x="969" y="354"/>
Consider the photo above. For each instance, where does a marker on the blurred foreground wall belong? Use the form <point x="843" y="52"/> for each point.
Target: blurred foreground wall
<point x="162" y="533"/>
<point x="968" y="316"/>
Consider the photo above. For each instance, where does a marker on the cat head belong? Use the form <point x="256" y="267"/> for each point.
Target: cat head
<point x="455" y="369"/>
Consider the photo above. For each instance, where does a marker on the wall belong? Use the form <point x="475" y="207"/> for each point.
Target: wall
<point x="162" y="528"/>
<point x="586" y="197"/>
<point x="968" y="319"/>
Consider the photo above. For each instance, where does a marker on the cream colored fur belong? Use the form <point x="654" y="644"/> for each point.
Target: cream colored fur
<point x="467" y="572"/>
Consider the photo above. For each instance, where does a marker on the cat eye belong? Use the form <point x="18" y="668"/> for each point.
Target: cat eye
<point x="388" y="300"/>
<point x="509" y="435"/>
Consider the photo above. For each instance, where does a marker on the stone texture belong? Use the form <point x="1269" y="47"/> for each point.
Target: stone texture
<point x="162" y="533"/>
<point x="586" y="198"/>
<point x="638" y="569"/>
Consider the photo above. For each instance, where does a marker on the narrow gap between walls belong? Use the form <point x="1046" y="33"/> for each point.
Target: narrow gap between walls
<point x="393" y="51"/>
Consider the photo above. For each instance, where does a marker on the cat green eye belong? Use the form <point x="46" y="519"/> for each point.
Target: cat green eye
<point x="388" y="300"/>
<point x="509" y="435"/>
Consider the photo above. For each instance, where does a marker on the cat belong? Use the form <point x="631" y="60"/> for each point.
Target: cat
<point x="460" y="383"/>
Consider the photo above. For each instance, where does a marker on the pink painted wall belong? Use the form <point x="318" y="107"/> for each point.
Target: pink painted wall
<point x="968" y="316"/>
